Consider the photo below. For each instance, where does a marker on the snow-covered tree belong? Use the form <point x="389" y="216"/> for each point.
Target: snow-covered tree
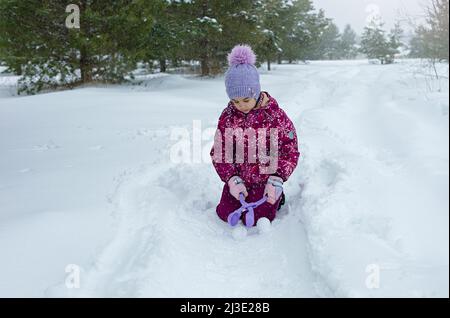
<point x="377" y="45"/>
<point x="317" y="28"/>
<point x="212" y="27"/>
<point x="329" y="42"/>
<point x="296" y="30"/>
<point x="114" y="36"/>
<point x="347" y="44"/>
<point x="271" y="29"/>
<point x="164" y="41"/>
<point x="394" y="42"/>
<point x="49" y="54"/>
<point x="373" y="42"/>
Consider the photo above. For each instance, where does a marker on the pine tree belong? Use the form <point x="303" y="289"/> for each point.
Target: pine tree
<point x="329" y="42"/>
<point x="316" y="28"/>
<point x="115" y="36"/>
<point x="271" y="30"/>
<point x="212" y="28"/>
<point x="302" y="28"/>
<point x="48" y="54"/>
<point x="347" y="44"/>
<point x="164" y="42"/>
<point x="374" y="43"/>
<point x="240" y="21"/>
<point x="418" y="44"/>
<point x="394" y="43"/>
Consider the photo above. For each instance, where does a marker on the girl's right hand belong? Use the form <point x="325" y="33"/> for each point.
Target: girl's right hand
<point x="274" y="189"/>
<point x="237" y="186"/>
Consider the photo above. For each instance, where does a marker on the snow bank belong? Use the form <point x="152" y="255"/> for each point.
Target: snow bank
<point x="375" y="170"/>
<point x="86" y="180"/>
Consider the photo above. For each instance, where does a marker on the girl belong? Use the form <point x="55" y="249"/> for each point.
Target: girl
<point x="252" y="113"/>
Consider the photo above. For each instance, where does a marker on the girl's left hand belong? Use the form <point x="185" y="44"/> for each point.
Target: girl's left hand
<point x="274" y="189"/>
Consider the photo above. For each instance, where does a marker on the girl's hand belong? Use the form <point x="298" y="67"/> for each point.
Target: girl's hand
<point x="274" y="189"/>
<point x="237" y="186"/>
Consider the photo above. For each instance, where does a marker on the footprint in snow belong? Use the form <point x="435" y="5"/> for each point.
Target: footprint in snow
<point x="96" y="148"/>
<point x="45" y="147"/>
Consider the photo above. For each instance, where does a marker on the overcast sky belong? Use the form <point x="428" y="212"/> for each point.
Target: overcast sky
<point x="357" y="12"/>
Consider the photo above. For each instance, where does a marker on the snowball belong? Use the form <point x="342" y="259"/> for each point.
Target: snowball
<point x="264" y="225"/>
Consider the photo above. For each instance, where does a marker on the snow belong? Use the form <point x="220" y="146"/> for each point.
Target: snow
<point x="264" y="225"/>
<point x="87" y="181"/>
<point x="239" y="233"/>
<point x="8" y="83"/>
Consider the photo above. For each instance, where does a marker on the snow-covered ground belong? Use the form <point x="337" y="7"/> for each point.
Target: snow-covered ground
<point x="87" y="178"/>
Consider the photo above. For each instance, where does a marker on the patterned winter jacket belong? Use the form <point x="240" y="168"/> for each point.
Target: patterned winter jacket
<point x="275" y="124"/>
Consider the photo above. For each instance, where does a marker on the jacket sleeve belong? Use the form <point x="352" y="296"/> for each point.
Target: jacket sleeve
<point x="288" y="152"/>
<point x="224" y="170"/>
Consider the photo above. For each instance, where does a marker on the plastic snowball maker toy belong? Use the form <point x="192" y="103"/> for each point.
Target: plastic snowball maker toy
<point x="233" y="218"/>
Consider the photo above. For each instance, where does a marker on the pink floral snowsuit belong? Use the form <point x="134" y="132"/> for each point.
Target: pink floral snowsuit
<point x="268" y="117"/>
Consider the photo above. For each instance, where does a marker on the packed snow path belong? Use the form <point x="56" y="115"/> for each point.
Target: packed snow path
<point x="171" y="244"/>
<point x="371" y="190"/>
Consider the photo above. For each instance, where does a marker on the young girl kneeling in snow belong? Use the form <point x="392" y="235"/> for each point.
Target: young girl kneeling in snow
<point x="255" y="148"/>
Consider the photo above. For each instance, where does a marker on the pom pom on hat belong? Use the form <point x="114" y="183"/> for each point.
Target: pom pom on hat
<point x="241" y="54"/>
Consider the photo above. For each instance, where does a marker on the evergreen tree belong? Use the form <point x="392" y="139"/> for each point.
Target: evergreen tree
<point x="394" y="43"/>
<point x="114" y="36"/>
<point x="293" y="15"/>
<point x="316" y="28"/>
<point x="309" y="31"/>
<point x="347" y="44"/>
<point x="374" y="43"/>
<point x="240" y="23"/>
<point x="418" y="44"/>
<point x="212" y="28"/>
<point x="164" y="42"/>
<point x="48" y="54"/>
<point x="271" y="30"/>
<point x="329" y="42"/>
<point x="289" y="30"/>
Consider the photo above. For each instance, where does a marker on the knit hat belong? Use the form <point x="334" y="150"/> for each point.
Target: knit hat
<point x="242" y="77"/>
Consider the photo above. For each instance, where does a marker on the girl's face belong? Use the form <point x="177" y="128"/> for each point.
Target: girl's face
<point x="245" y="105"/>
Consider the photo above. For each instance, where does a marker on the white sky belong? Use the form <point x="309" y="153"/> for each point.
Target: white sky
<point x="357" y="12"/>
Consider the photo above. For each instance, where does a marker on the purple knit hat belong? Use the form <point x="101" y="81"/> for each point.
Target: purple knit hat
<point x="242" y="78"/>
